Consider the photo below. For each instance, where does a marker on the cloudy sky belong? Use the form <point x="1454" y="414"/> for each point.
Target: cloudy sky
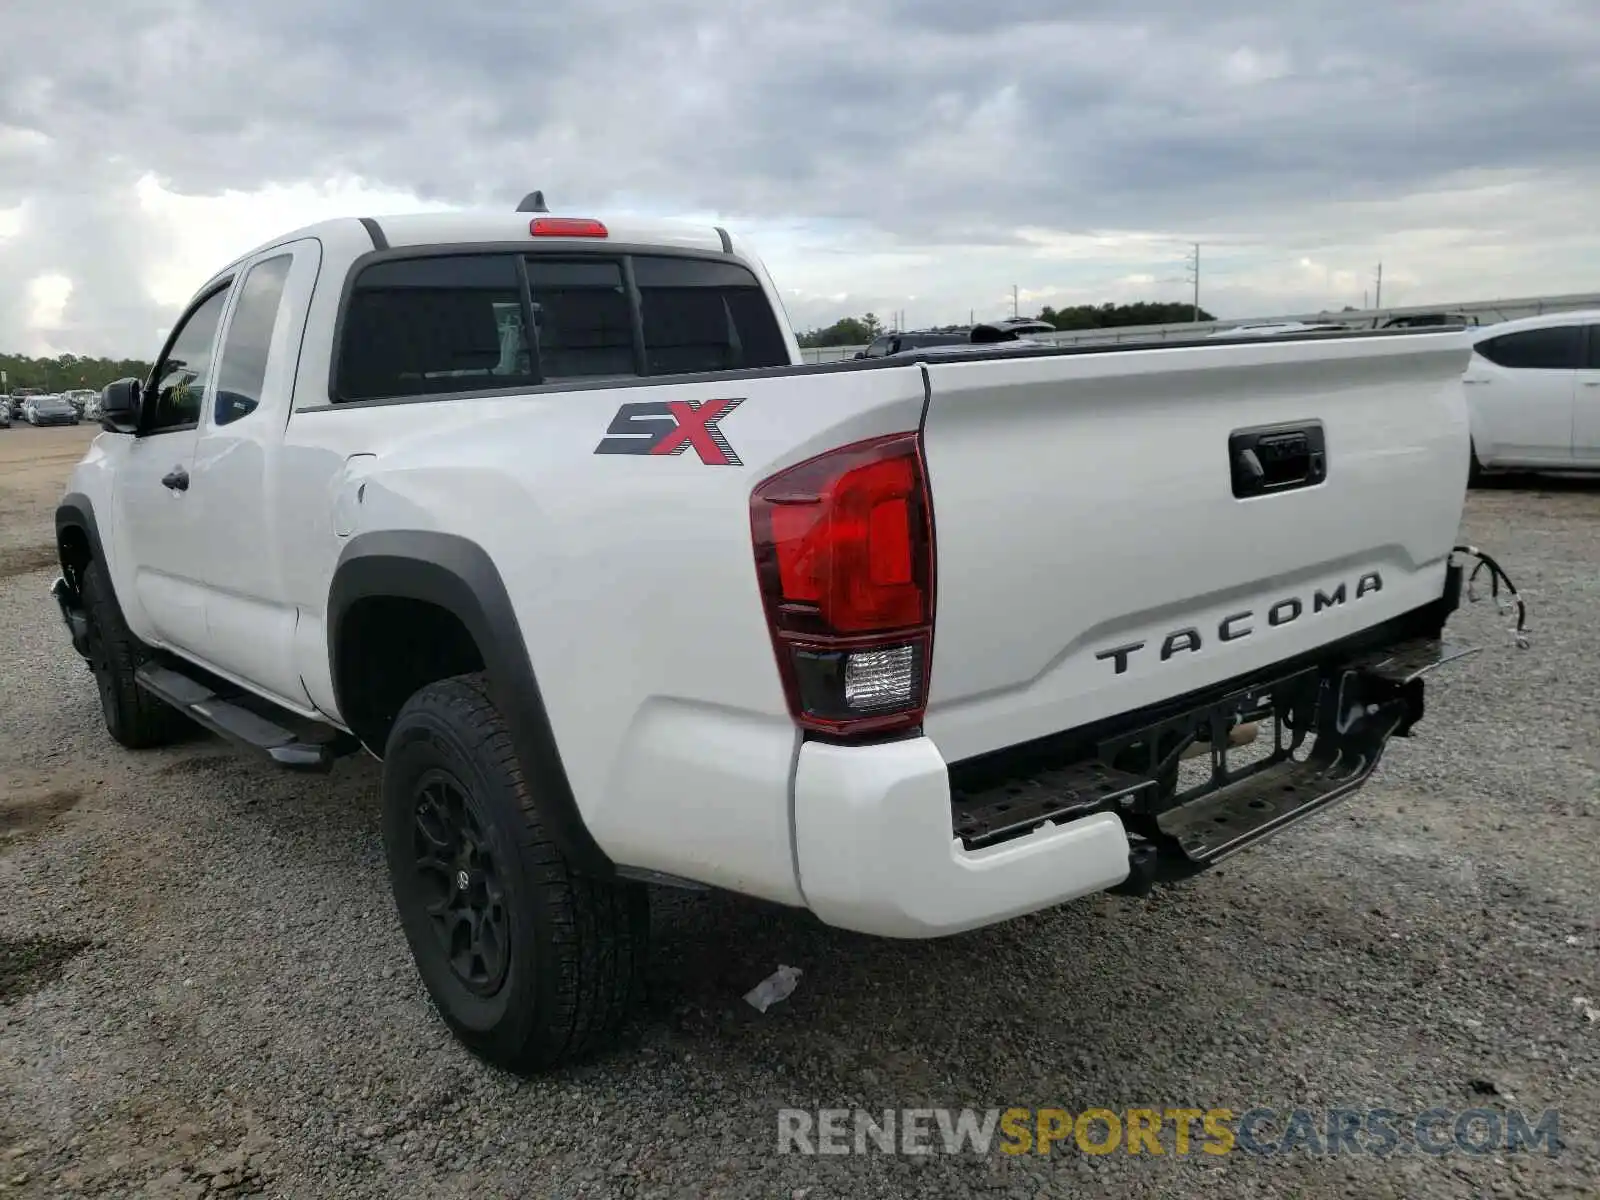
<point x="916" y="155"/>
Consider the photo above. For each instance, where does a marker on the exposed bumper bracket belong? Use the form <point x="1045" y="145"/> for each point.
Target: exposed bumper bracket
<point x="1349" y="712"/>
<point x="72" y="613"/>
<point x="1330" y="723"/>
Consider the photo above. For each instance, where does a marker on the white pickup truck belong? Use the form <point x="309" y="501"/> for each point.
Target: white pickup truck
<point x="919" y="643"/>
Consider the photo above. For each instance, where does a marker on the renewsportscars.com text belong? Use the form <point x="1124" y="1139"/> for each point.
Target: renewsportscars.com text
<point x="1378" y="1132"/>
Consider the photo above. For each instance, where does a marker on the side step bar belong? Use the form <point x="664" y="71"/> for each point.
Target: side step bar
<point x="236" y="717"/>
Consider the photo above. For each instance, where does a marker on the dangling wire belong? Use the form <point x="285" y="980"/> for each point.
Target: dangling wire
<point x="1497" y="576"/>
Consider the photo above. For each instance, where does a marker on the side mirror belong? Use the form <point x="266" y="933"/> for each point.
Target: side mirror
<point x="119" y="406"/>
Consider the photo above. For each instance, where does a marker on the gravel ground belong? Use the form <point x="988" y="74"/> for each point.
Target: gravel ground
<point x="204" y="987"/>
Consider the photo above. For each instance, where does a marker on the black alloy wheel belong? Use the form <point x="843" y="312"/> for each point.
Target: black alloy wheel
<point x="460" y="883"/>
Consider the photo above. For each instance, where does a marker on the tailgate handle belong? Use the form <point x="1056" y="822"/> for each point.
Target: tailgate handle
<point x="1277" y="458"/>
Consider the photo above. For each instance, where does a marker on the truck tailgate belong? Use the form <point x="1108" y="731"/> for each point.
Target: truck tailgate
<point x="1093" y="556"/>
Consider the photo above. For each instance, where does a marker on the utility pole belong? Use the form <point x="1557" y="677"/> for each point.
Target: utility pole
<point x="1013" y="300"/>
<point x="1192" y="274"/>
<point x="1377" y="301"/>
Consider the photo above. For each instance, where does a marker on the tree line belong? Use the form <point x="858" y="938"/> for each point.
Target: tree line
<point x="67" y="371"/>
<point x="858" y="331"/>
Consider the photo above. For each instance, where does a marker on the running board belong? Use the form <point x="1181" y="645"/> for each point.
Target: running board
<point x="237" y="717"/>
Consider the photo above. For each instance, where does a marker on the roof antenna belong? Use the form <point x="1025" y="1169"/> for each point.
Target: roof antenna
<point x="533" y="202"/>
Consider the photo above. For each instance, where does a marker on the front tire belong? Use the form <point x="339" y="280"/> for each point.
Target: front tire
<point x="134" y="718"/>
<point x="530" y="964"/>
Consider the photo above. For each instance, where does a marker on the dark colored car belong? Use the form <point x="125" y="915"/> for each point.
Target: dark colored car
<point x="1429" y="320"/>
<point x="53" y="410"/>
<point x="899" y="343"/>
<point x="927" y="339"/>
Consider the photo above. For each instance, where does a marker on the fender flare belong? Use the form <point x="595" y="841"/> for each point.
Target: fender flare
<point x="457" y="575"/>
<point x="76" y="511"/>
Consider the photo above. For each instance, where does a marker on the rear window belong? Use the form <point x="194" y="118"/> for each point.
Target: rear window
<point x="583" y="320"/>
<point x="701" y="315"/>
<point x="1553" y="349"/>
<point x="455" y="323"/>
<point x="421" y="326"/>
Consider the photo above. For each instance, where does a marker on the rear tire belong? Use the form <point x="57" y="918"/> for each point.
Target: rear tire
<point x="1474" y="467"/>
<point x="530" y="964"/>
<point x="134" y="717"/>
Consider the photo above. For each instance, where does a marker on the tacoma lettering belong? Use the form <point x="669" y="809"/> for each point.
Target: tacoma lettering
<point x="1241" y="624"/>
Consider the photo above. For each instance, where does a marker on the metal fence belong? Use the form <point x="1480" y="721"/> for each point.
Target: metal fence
<point x="1488" y="312"/>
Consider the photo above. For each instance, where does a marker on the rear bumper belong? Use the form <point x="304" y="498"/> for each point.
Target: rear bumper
<point x="891" y="840"/>
<point x="877" y="853"/>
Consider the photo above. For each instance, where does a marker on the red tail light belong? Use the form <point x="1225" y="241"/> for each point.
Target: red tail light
<point x="844" y="555"/>
<point x="566" y="227"/>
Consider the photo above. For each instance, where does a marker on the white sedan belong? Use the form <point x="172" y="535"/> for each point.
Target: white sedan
<point x="1533" y="392"/>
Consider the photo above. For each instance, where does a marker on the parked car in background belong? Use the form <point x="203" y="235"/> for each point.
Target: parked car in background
<point x="5" y="413"/>
<point x="79" y="398"/>
<point x="91" y="408"/>
<point x="986" y="333"/>
<point x="919" y="339"/>
<point x="1015" y="329"/>
<point x="1425" y="320"/>
<point x="1533" y="394"/>
<point x="51" y="410"/>
<point x="1276" y="328"/>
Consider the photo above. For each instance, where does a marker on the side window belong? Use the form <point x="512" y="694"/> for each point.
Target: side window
<point x="243" y="367"/>
<point x="582" y="318"/>
<point x="880" y="348"/>
<point x="1592" y="361"/>
<point x="1553" y="349"/>
<point x="701" y="315"/>
<point x="421" y="326"/>
<point x="185" y="370"/>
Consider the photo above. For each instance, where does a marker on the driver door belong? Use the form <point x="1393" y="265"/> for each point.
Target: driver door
<point x="156" y="523"/>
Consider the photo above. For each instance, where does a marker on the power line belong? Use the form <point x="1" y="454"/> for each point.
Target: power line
<point x="1192" y="275"/>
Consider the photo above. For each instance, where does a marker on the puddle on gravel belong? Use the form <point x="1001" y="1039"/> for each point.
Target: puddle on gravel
<point x="26" y="811"/>
<point x="28" y="964"/>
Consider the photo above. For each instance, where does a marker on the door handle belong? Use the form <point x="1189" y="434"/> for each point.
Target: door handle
<point x="1591" y="383"/>
<point x="177" y="479"/>
<point x="1474" y="381"/>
